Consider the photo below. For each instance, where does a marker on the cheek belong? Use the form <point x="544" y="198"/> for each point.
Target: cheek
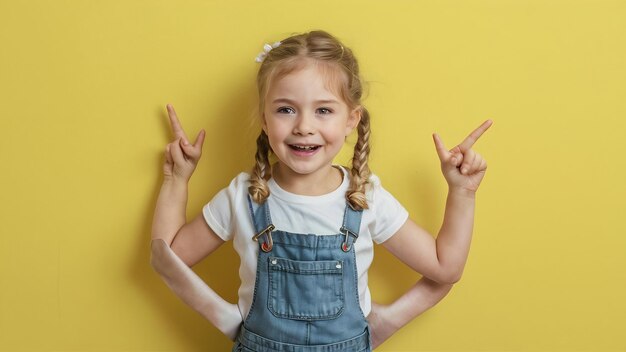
<point x="274" y="129"/>
<point x="338" y="132"/>
<point x="276" y="135"/>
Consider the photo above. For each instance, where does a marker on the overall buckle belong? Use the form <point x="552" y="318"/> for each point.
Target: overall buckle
<point x="266" y="246"/>
<point x="345" y="246"/>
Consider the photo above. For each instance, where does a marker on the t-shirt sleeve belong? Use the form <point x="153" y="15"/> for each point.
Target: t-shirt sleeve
<point x="389" y="215"/>
<point x="218" y="213"/>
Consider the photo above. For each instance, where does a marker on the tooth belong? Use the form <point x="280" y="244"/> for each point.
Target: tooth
<point x="304" y="147"/>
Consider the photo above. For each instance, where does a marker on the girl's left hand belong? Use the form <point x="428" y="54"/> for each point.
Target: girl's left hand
<point x="462" y="167"/>
<point x="381" y="324"/>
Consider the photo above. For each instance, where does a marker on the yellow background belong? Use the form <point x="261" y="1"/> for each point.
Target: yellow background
<point x="83" y="129"/>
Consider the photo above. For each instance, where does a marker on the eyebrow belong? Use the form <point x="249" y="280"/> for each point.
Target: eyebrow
<point x="285" y="100"/>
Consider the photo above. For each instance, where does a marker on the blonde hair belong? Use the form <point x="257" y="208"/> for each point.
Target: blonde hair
<point x="341" y="70"/>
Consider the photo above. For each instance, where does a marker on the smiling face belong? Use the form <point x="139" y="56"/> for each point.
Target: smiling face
<point x="306" y="123"/>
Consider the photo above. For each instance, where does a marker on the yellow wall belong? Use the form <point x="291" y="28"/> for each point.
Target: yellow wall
<point x="83" y="88"/>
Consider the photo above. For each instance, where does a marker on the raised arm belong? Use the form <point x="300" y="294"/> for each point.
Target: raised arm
<point x="181" y="159"/>
<point x="443" y="260"/>
<point x="176" y="246"/>
<point x="440" y="261"/>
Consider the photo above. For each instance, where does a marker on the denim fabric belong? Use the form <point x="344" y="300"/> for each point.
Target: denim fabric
<point x="305" y="294"/>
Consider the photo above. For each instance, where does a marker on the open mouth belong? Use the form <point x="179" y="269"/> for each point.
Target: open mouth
<point x="304" y="148"/>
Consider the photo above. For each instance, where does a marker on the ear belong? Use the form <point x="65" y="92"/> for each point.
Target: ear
<point x="353" y="120"/>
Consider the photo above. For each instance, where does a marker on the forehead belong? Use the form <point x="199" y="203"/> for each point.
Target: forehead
<point x="308" y="77"/>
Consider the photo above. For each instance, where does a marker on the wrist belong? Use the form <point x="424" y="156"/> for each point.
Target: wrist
<point x="176" y="182"/>
<point x="396" y="314"/>
<point x="462" y="192"/>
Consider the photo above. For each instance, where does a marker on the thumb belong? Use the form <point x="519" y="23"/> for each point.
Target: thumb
<point x="457" y="156"/>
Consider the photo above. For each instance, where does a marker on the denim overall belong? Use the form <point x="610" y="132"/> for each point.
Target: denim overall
<point x="305" y="293"/>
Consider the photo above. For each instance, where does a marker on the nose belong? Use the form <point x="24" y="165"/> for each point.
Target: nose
<point x="304" y="125"/>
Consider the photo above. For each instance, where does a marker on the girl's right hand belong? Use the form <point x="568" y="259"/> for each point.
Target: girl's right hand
<point x="181" y="157"/>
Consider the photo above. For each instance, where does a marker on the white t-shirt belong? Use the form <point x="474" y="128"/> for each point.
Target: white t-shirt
<point x="229" y="216"/>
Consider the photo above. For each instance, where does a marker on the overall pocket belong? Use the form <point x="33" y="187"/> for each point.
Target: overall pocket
<point x="305" y="290"/>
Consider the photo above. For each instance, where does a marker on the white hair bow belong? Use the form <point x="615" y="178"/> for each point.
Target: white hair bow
<point x="266" y="49"/>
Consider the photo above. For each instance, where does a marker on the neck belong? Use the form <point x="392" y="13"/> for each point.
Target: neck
<point x="315" y="184"/>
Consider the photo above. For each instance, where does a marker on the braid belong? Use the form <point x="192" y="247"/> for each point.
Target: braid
<point x="258" y="189"/>
<point x="360" y="173"/>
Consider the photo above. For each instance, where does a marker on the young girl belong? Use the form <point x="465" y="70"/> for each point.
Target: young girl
<point x="303" y="227"/>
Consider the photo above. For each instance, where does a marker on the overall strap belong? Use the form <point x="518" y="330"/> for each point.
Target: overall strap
<point x="351" y="226"/>
<point x="262" y="224"/>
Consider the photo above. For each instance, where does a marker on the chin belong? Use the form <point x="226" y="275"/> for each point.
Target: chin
<point x="303" y="168"/>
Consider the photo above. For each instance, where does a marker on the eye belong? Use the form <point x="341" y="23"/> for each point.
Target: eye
<point x="280" y="110"/>
<point x="328" y="111"/>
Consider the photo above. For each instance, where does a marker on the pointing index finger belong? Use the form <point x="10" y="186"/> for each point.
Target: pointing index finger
<point x="469" y="141"/>
<point x="176" y="126"/>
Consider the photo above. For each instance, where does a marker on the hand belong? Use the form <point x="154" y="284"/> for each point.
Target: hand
<point x="381" y="324"/>
<point x="462" y="167"/>
<point x="181" y="157"/>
